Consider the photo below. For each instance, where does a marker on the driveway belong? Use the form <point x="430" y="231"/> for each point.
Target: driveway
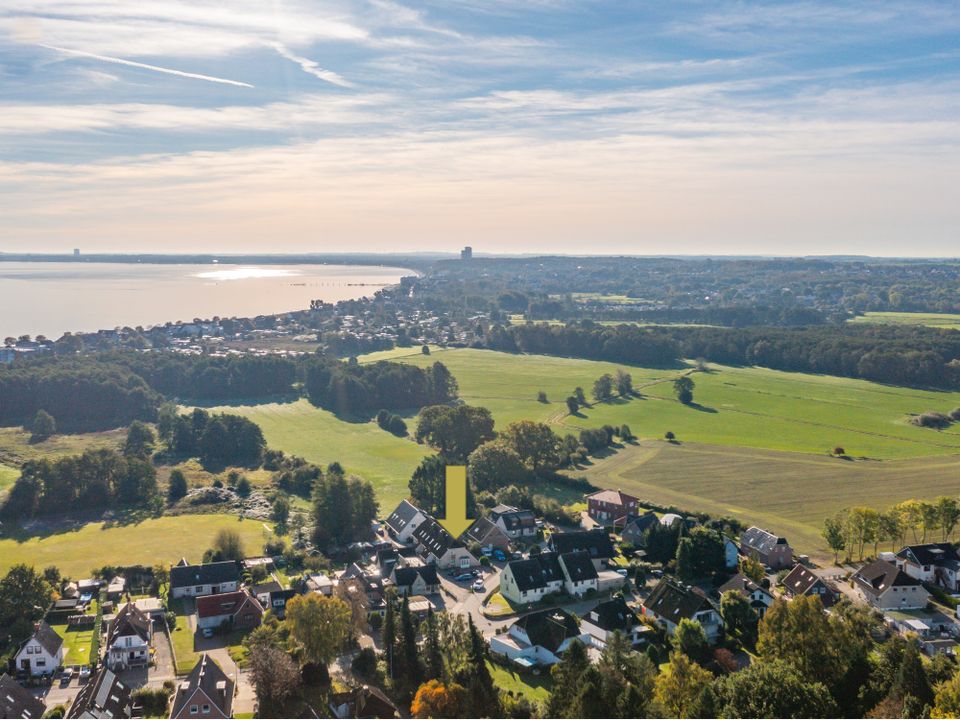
<point x="163" y="663"/>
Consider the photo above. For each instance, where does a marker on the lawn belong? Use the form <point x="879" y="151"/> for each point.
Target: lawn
<point x="8" y="475"/>
<point x="946" y="321"/>
<point x="318" y="435"/>
<point x="77" y="642"/>
<point x="16" y="448"/>
<point x="80" y="548"/>
<point x="536" y="688"/>
<point x="183" y="642"/>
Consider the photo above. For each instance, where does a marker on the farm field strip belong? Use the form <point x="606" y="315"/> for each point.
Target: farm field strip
<point x="79" y="549"/>
<point x="946" y="321"/>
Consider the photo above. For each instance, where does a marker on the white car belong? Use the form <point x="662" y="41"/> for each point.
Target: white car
<point x="478" y="585"/>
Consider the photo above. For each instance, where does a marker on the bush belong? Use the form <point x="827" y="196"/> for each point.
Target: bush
<point x="243" y="486"/>
<point x="425" y="350"/>
<point x="397" y="426"/>
<point x="669" y="436"/>
<point x="171" y="620"/>
<point x="375" y="620"/>
<point x="935" y="420"/>
<point x="955" y="414"/>
<point x="154" y="701"/>
<point x="365" y="663"/>
<point x="542" y="397"/>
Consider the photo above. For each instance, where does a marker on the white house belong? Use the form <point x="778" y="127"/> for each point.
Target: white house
<point x="760" y="599"/>
<point x="514" y="523"/>
<point x="887" y="587"/>
<point x="207" y="579"/>
<point x="539" y="638"/>
<point x="670" y="602"/>
<point x="404" y="520"/>
<point x="440" y="548"/>
<point x="129" y="637"/>
<point x="528" y="581"/>
<point x="936" y="563"/>
<point x="612" y="616"/>
<point x="41" y="653"/>
<point x="579" y="574"/>
<point x="419" y="580"/>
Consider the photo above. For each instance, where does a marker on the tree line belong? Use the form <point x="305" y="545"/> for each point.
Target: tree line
<point x="218" y="439"/>
<point x="354" y="389"/>
<point x="912" y="356"/>
<point x="855" y="530"/>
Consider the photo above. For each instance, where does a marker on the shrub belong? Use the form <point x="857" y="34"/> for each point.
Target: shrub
<point x="243" y="486"/>
<point x="425" y="349"/>
<point x="217" y="483"/>
<point x="955" y="414"/>
<point x="838" y="451"/>
<point x="397" y="426"/>
<point x="669" y="436"/>
<point x="365" y="663"/>
<point x="171" y="620"/>
<point x="935" y="420"/>
<point x="542" y="397"/>
<point x="154" y="701"/>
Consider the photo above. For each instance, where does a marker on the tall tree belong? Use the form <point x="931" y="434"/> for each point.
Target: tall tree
<point x="140" y="441"/>
<point x="276" y="679"/>
<point x="42" y="426"/>
<point x="319" y="626"/>
<point x="623" y="382"/>
<point x="24" y="598"/>
<point x="428" y="486"/>
<point x="481" y="693"/>
<point x="603" y="388"/>
<point x="680" y="687"/>
<point x="536" y="444"/>
<point x="773" y="689"/>
<point x="410" y="672"/>
<point x="690" y="639"/>
<point x="566" y="676"/>
<point x="683" y="388"/>
<point x="434" y="699"/>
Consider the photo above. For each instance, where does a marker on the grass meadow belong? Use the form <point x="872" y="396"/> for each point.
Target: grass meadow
<point x="77" y="550"/>
<point x="946" y="321"/>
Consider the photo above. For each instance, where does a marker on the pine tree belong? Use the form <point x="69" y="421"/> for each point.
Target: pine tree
<point x="591" y="701"/>
<point x="390" y="637"/>
<point x="566" y="679"/>
<point x="483" y="699"/>
<point x="410" y="671"/>
<point x="912" y="678"/>
<point x="432" y="652"/>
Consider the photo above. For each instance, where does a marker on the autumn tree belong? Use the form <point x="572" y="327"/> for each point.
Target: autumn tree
<point x="319" y="626"/>
<point x="276" y="679"/>
<point x="434" y="699"/>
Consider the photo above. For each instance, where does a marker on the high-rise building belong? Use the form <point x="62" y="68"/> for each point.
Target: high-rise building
<point x="466" y="253"/>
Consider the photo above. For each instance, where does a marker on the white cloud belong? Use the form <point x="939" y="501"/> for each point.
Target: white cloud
<point x="312" y="68"/>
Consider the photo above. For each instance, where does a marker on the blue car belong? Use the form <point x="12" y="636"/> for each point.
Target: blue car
<point x="463" y="577"/>
<point x="498" y="555"/>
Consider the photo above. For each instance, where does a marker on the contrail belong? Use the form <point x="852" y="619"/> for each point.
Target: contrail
<point x="144" y="66"/>
<point x="313" y="68"/>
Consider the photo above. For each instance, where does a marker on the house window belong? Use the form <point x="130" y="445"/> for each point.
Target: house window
<point x="41" y="662"/>
<point x="198" y="589"/>
<point x="194" y="709"/>
<point x="206" y="709"/>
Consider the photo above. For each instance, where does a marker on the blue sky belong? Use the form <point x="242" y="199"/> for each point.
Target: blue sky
<point x="543" y="126"/>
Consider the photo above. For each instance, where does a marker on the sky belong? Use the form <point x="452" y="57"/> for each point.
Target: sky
<point x="546" y="126"/>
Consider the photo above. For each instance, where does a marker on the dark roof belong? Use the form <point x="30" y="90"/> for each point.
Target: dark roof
<point x="406" y="576"/>
<point x="284" y="595"/>
<point x="129" y="620"/>
<point x="434" y="537"/>
<point x="535" y="572"/>
<point x="266" y="587"/>
<point x="799" y="580"/>
<point x="479" y="531"/>
<point x="513" y="518"/>
<point x="387" y="556"/>
<point x="402" y="516"/>
<point x="595" y="542"/>
<point x="760" y="540"/>
<point x="742" y="584"/>
<point x="673" y="601"/>
<point x="17" y="702"/>
<point x="365" y="702"/>
<point x="930" y="553"/>
<point x="640" y="523"/>
<point x="549" y="628"/>
<point x="612" y="615"/>
<point x="47" y="637"/>
<point x="103" y="696"/>
<point x="208" y="677"/>
<point x="579" y="566"/>
<point x="879" y="576"/>
<point x="207" y="574"/>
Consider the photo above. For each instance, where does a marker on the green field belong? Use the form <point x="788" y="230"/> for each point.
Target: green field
<point x="78" y="549"/>
<point x="945" y="321"/>
<point x="363" y="448"/>
<point x="8" y="476"/>
<point x="746" y="407"/>
<point x="16" y="448"/>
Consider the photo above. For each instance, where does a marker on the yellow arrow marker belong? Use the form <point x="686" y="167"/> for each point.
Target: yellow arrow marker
<point x="456" y="520"/>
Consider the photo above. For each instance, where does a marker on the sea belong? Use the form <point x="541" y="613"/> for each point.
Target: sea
<point x="46" y="298"/>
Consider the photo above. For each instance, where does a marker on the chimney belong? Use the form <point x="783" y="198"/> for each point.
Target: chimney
<point x="36" y="627"/>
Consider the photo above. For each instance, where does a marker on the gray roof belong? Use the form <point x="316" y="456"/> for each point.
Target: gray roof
<point x="800" y="580"/>
<point x="535" y="572"/>
<point x="512" y="517"/>
<point x="579" y="566"/>
<point x="595" y="542"/>
<point x="129" y="620"/>
<point x="434" y="537"/>
<point x="17" y="702"/>
<point x="549" y="628"/>
<point x="760" y="540"/>
<point x="639" y="523"/>
<point x="879" y="576"/>
<point x="407" y="576"/>
<point x="673" y="601"/>
<point x="207" y="574"/>
<point x="742" y="584"/>
<point x="480" y="530"/>
<point x="612" y="615"/>
<point x="930" y="553"/>
<point x="402" y="516"/>
<point x="208" y="677"/>
<point x="103" y="696"/>
<point x="47" y="637"/>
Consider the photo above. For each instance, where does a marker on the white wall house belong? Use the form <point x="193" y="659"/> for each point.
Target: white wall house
<point x="129" y="636"/>
<point x="528" y="581"/>
<point x="42" y="653"/>
<point x="207" y="579"/>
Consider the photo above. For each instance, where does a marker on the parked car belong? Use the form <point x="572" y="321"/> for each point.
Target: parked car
<point x="621" y="571"/>
<point x="498" y="555"/>
<point x="478" y="585"/>
<point x="67" y="675"/>
<point x="208" y="632"/>
<point x="463" y="577"/>
<point x="85" y="672"/>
